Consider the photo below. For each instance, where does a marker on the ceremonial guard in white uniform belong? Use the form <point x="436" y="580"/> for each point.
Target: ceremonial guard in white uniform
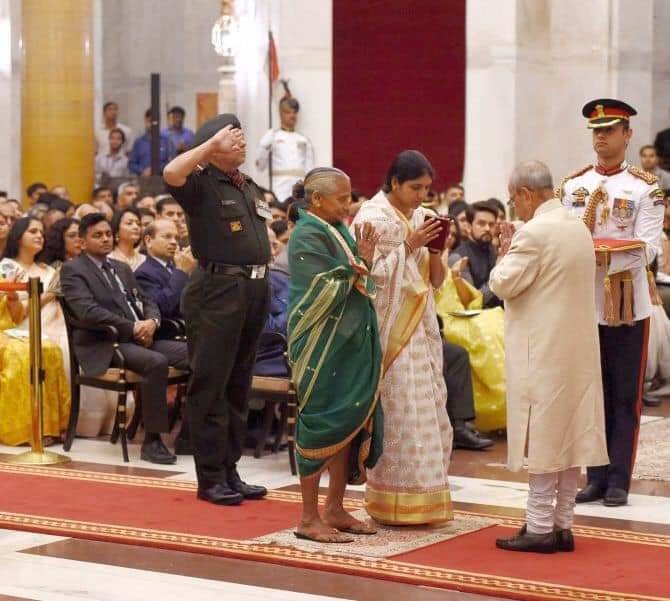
<point x="292" y="152"/>
<point x="618" y="202"/>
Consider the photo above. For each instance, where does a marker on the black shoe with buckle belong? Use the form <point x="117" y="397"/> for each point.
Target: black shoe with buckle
<point x="591" y="492"/>
<point x="468" y="438"/>
<point x="156" y="452"/>
<point x="615" y="497"/>
<point x="248" y="491"/>
<point x="527" y="542"/>
<point x="219" y="494"/>
<point x="565" y="540"/>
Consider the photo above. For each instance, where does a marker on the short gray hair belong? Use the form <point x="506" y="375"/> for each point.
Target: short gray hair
<point x="534" y="175"/>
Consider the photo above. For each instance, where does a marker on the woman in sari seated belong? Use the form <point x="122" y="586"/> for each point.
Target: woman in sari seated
<point x="459" y="306"/>
<point x="24" y="242"/>
<point x="409" y="484"/>
<point x="335" y="355"/>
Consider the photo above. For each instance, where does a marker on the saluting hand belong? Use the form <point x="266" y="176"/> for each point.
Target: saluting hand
<point x="366" y="241"/>
<point x="227" y="140"/>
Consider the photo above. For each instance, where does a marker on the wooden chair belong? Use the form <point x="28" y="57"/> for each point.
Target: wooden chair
<point x="273" y="391"/>
<point x="118" y="379"/>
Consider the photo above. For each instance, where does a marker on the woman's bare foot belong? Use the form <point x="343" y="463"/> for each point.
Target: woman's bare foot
<point x="320" y="532"/>
<point x="343" y="521"/>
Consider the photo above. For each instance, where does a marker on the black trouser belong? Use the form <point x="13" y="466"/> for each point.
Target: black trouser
<point x="152" y="363"/>
<point x="225" y="315"/>
<point x="457" y="375"/>
<point x="623" y="358"/>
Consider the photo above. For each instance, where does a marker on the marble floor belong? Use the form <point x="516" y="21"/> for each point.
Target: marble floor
<point x="41" y="567"/>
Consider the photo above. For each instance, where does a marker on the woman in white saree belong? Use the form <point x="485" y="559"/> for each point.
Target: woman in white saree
<point x="409" y="483"/>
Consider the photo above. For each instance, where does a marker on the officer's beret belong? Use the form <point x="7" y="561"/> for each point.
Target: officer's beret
<point x="211" y="127"/>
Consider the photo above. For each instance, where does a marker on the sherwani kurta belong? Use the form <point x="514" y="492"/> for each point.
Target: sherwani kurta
<point x="409" y="484"/>
<point x="554" y="385"/>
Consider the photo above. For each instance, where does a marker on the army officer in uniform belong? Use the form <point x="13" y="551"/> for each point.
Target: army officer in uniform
<point x="225" y="302"/>
<point x="618" y="202"/>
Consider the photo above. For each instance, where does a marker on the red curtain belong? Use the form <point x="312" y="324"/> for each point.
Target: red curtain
<point x="398" y="83"/>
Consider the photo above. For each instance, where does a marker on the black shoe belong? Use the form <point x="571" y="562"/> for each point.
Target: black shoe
<point x="467" y="438"/>
<point x="565" y="540"/>
<point x="156" y="452"/>
<point x="652" y="401"/>
<point x="588" y="494"/>
<point x="248" y="491"/>
<point x="183" y="446"/>
<point x="219" y="494"/>
<point x="615" y="497"/>
<point x="527" y="542"/>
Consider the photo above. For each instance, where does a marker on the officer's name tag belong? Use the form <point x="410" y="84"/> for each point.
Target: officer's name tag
<point x="263" y="209"/>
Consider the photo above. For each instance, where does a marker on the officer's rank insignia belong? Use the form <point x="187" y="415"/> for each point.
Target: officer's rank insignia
<point x="579" y="197"/>
<point x="236" y="226"/>
<point x="657" y="196"/>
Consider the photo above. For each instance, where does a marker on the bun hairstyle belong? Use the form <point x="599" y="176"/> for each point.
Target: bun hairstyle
<point x="319" y="179"/>
<point x="408" y="165"/>
<point x="298" y="191"/>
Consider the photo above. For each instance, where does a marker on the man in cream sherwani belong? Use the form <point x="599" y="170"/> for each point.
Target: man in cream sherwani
<point x="545" y="275"/>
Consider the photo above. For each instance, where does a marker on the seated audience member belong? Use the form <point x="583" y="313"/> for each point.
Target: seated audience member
<point x="112" y="161"/>
<point x="10" y="215"/>
<point x="454" y="193"/>
<point x="126" y="195"/>
<point x="146" y="202"/>
<point x="105" y="210"/>
<point x="480" y="251"/>
<point x="460" y="212"/>
<point x="60" y="190"/>
<point x="84" y="209"/>
<point x="127" y="230"/>
<point x="102" y="291"/>
<point x="275" y="244"/>
<point x="168" y="208"/>
<point x="167" y="268"/>
<point x="62" y="243"/>
<point x="139" y="161"/>
<point x="34" y="191"/>
<point x="57" y="210"/>
<point x="278" y="211"/>
<point x="4" y="233"/>
<point x="498" y="205"/>
<point x="147" y="217"/>
<point x="481" y="335"/>
<point x="102" y="194"/>
<point x="96" y="407"/>
<point x="280" y="228"/>
<point x="357" y="200"/>
<point x="649" y="162"/>
<point x="25" y="243"/>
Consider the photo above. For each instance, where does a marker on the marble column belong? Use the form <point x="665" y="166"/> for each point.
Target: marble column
<point x="57" y="136"/>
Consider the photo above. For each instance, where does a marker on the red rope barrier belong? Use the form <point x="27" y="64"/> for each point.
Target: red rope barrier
<point x="13" y="287"/>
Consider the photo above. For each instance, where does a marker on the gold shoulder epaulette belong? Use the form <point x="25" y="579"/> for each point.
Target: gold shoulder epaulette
<point x="649" y="178"/>
<point x="559" y="191"/>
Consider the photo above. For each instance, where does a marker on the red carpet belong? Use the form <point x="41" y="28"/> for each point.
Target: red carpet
<point x="608" y="564"/>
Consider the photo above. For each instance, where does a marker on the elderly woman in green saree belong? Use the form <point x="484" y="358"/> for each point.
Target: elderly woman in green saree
<point x="335" y="354"/>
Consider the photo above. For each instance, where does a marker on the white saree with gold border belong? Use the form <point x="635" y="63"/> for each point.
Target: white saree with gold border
<point x="409" y="484"/>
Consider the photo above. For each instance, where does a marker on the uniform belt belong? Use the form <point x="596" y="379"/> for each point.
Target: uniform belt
<point x="253" y="272"/>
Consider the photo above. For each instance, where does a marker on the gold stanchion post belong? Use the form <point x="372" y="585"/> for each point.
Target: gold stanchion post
<point x="37" y="455"/>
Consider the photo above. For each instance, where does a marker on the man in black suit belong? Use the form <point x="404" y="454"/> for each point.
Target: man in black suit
<point x="164" y="274"/>
<point x="102" y="291"/>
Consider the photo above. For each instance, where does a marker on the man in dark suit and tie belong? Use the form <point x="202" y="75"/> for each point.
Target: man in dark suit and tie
<point x="102" y="291"/>
<point x="167" y="268"/>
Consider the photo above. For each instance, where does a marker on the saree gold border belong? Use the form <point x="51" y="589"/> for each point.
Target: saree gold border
<point x="287" y="496"/>
<point x="401" y="571"/>
<point x="397" y="508"/>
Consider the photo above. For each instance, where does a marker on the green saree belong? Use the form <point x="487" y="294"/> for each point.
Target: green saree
<point x="334" y="349"/>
